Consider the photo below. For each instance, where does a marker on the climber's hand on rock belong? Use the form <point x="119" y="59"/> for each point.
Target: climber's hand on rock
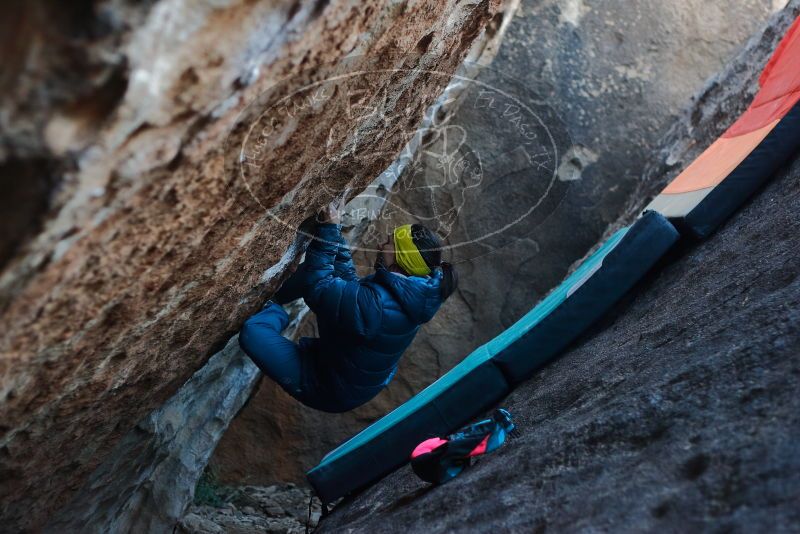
<point x="328" y="215"/>
<point x="324" y="216"/>
<point x="334" y="213"/>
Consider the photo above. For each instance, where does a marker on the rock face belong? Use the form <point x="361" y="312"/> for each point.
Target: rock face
<point x="679" y="411"/>
<point x="607" y="78"/>
<point x="166" y="168"/>
<point x="149" y="477"/>
<point x="148" y="480"/>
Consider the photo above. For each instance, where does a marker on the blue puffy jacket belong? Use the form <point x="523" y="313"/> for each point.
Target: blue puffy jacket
<point x="364" y="324"/>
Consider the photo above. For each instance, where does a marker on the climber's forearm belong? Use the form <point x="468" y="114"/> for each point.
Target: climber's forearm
<point x="344" y="266"/>
<point x="324" y="246"/>
<point x="321" y="255"/>
<point x="294" y="286"/>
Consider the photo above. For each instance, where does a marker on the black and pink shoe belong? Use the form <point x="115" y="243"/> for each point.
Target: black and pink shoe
<point x="438" y="460"/>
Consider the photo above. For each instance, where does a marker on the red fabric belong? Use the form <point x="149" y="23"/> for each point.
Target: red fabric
<point x="481" y="448"/>
<point x="427" y="446"/>
<point x="780" y="86"/>
<point x="784" y="47"/>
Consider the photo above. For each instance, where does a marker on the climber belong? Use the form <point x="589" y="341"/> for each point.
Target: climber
<point x="364" y="324"/>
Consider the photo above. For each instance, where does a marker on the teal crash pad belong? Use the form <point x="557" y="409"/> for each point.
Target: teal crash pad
<point x="489" y="373"/>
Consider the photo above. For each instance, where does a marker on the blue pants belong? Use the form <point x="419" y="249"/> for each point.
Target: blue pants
<point x="277" y="357"/>
<point x="290" y="364"/>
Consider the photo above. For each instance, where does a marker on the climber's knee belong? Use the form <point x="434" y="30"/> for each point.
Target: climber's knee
<point x="247" y="336"/>
<point x="271" y="317"/>
<point x="276" y="356"/>
<point x="262" y="329"/>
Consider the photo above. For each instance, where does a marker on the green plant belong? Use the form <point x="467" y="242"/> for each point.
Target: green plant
<point x="208" y="489"/>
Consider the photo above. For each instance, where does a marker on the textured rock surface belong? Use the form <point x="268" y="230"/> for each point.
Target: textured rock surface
<point x="148" y="480"/>
<point x="616" y="74"/>
<point x="254" y="510"/>
<point x="148" y="248"/>
<point x="679" y="411"/>
<point x="150" y="475"/>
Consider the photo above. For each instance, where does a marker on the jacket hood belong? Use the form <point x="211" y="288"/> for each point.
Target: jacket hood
<point x="419" y="296"/>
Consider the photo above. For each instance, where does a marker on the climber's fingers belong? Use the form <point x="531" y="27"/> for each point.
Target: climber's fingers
<point x="345" y="198"/>
<point x="334" y="212"/>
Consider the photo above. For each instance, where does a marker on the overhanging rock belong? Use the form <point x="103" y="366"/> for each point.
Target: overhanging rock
<point x="151" y="249"/>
